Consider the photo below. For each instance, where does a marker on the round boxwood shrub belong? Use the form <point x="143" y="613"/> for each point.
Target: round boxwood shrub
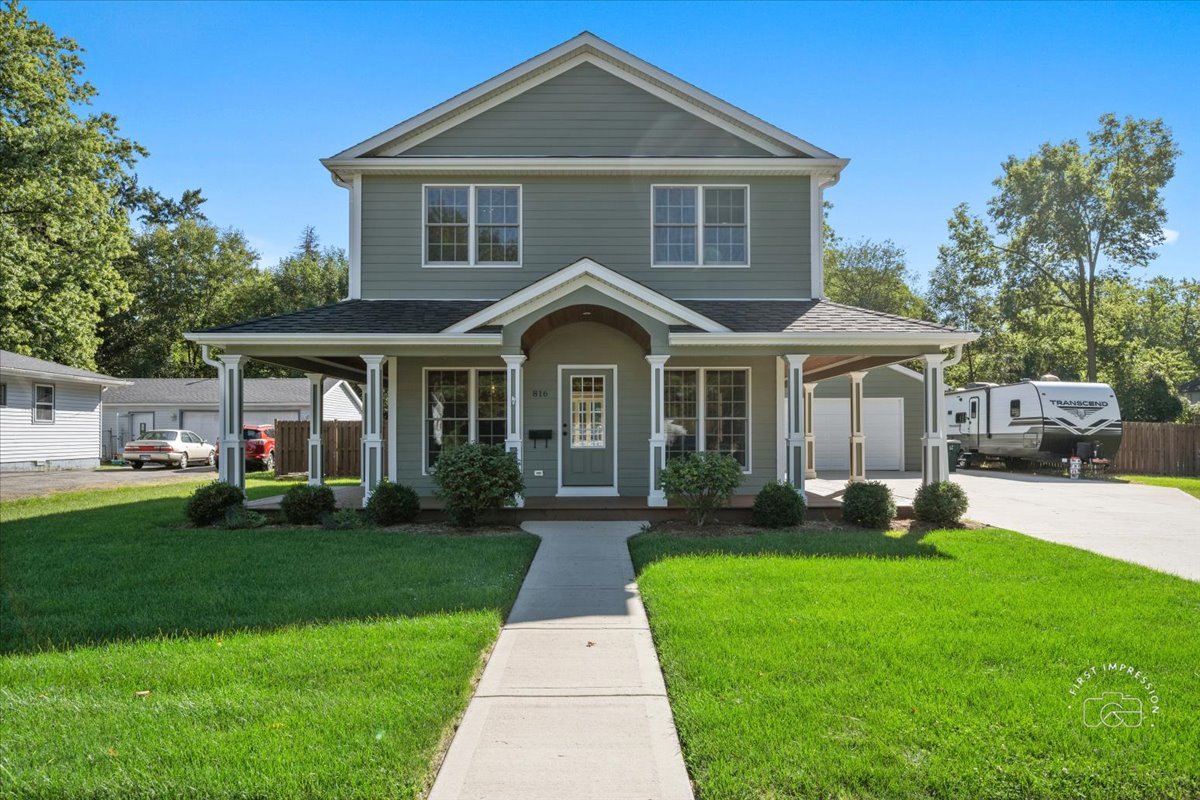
<point x="307" y="505"/>
<point x="941" y="503"/>
<point x="344" y="519"/>
<point x="393" y="503"/>
<point x="476" y="478"/>
<point x="778" y="505"/>
<point x="210" y="501"/>
<point x="868" y="504"/>
<point x="702" y="482"/>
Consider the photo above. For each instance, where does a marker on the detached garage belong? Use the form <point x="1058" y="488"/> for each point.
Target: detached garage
<point x="892" y="421"/>
<point x="191" y="404"/>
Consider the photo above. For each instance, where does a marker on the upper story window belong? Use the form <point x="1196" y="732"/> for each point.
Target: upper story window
<point x="701" y="226"/>
<point x="469" y="226"/>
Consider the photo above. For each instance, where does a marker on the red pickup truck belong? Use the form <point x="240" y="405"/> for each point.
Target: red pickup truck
<point x="259" y="441"/>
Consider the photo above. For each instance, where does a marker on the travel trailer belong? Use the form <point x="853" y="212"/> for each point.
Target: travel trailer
<point x="1042" y="420"/>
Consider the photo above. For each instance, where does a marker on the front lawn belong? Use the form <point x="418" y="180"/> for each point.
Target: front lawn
<point x="145" y="658"/>
<point x="1189" y="485"/>
<point x="855" y="664"/>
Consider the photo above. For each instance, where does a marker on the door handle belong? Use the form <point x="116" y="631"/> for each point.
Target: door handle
<point x="564" y="429"/>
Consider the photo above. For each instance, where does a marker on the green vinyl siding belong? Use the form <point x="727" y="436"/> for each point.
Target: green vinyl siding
<point x="605" y="218"/>
<point x="887" y="382"/>
<point x="586" y="111"/>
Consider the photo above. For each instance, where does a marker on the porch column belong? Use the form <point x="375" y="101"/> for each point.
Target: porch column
<point x="810" y="438"/>
<point x="858" y="439"/>
<point x="233" y="449"/>
<point x="514" y="440"/>
<point x="796" y="415"/>
<point x="657" y="498"/>
<point x="393" y="419"/>
<point x="316" y="428"/>
<point x="372" y="440"/>
<point x="934" y="463"/>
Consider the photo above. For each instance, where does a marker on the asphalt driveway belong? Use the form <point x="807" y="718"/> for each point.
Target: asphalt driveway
<point x="16" y="485"/>
<point x="1149" y="525"/>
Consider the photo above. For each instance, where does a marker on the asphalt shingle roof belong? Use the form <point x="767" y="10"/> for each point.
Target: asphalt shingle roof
<point x="16" y="361"/>
<point x="804" y="316"/>
<point x="203" y="391"/>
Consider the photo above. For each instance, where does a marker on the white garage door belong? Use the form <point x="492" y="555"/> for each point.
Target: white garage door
<point x="883" y="426"/>
<point x="204" y="424"/>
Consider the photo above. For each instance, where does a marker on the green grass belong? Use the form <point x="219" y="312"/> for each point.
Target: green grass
<point x="1189" y="485"/>
<point x="850" y="664"/>
<point x="281" y="663"/>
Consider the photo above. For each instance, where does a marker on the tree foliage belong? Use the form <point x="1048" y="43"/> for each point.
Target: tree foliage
<point x="65" y="176"/>
<point x="870" y="274"/>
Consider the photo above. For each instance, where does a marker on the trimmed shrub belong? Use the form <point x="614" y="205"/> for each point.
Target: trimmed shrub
<point x="344" y="519"/>
<point x="237" y="519"/>
<point x="210" y="501"/>
<point x="476" y="478"/>
<point x="941" y="503"/>
<point x="307" y="505"/>
<point x="393" y="503"/>
<point x="868" y="504"/>
<point x="779" y="505"/>
<point x="702" y="482"/>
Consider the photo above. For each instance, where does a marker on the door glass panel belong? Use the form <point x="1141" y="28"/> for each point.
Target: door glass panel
<point x="587" y="411"/>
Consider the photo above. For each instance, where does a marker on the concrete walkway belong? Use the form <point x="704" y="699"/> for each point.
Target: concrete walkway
<point x="572" y="702"/>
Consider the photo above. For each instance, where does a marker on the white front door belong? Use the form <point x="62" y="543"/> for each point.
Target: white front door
<point x="139" y="423"/>
<point x="883" y="426"/>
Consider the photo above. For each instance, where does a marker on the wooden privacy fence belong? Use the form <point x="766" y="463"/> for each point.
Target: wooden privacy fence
<point x="342" y="438"/>
<point x="1159" y="448"/>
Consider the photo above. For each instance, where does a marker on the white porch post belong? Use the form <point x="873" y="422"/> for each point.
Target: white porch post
<point x="796" y="420"/>
<point x="858" y="439"/>
<point x="934" y="457"/>
<point x="393" y="419"/>
<point x="233" y="452"/>
<point x="372" y="440"/>
<point x="316" y="428"/>
<point x="810" y="438"/>
<point x="514" y="440"/>
<point x="657" y="498"/>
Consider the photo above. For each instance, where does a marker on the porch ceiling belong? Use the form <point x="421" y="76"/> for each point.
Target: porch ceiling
<point x="819" y="368"/>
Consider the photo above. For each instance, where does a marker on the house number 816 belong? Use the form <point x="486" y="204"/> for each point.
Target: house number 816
<point x="540" y="393"/>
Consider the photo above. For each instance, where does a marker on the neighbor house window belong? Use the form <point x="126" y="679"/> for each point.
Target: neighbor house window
<point x="464" y="405"/>
<point x="708" y="410"/>
<point x="3" y="395"/>
<point x="700" y="225"/>
<point x="472" y="226"/>
<point x="43" y="403"/>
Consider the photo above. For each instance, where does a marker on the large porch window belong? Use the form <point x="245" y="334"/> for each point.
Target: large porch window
<point x="463" y="405"/>
<point x="708" y="410"/>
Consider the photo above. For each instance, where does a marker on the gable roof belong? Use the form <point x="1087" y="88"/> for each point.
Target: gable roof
<point x="17" y="364"/>
<point x="203" y="391"/>
<point x="584" y="48"/>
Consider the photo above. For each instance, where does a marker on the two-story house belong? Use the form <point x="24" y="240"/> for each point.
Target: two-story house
<point x="598" y="266"/>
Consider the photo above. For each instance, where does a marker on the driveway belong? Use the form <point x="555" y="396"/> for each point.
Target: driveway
<point x="1149" y="525"/>
<point x="16" y="485"/>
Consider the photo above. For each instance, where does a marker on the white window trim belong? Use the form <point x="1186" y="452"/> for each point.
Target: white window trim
<point x="700" y="189"/>
<point x="53" y="404"/>
<point x="472" y="405"/>
<point x="701" y="411"/>
<point x="471" y="263"/>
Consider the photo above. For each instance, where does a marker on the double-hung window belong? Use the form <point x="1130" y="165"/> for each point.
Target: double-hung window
<point x="43" y="402"/>
<point x="469" y="226"/>
<point x="708" y="410"/>
<point x="701" y="226"/>
<point x="464" y="405"/>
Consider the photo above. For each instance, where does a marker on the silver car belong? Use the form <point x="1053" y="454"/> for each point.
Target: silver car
<point x="169" y="448"/>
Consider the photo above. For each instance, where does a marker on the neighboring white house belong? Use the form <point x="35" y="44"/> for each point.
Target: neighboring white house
<point x="191" y="404"/>
<point x="49" y="414"/>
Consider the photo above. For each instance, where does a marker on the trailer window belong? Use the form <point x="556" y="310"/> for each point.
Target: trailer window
<point x="974" y="408"/>
<point x="960" y="418"/>
<point x="1014" y="409"/>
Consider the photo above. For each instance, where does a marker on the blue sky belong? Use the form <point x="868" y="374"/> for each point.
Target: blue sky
<point x="241" y="99"/>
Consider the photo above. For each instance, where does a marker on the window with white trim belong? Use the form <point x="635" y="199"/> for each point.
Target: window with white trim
<point x="464" y="405"/>
<point x="708" y="410"/>
<point x="472" y="226"/>
<point x="700" y="226"/>
<point x="43" y="402"/>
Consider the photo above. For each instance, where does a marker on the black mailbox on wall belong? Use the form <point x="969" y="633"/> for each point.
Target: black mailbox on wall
<point x="540" y="435"/>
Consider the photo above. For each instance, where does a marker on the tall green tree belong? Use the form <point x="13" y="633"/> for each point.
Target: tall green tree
<point x="870" y="274"/>
<point x="310" y="276"/>
<point x="64" y="177"/>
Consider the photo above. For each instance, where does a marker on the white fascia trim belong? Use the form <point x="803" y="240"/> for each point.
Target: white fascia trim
<point x="345" y="339"/>
<point x="906" y="372"/>
<point x="593" y="49"/>
<point x="664" y="166"/>
<point x="56" y="377"/>
<point x="915" y="338"/>
<point x="586" y="272"/>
